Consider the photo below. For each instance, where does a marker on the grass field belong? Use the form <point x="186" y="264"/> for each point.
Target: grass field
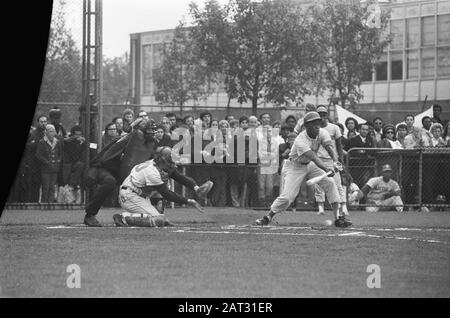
<point x="219" y="254"/>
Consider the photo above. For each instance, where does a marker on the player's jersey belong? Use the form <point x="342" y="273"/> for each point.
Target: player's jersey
<point x="143" y="175"/>
<point x="335" y="133"/>
<point x="378" y="187"/>
<point x="303" y="143"/>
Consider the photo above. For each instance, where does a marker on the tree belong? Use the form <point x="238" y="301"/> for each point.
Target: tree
<point x="61" y="81"/>
<point x="182" y="76"/>
<point x="262" y="50"/>
<point x="349" y="45"/>
<point x="116" y="79"/>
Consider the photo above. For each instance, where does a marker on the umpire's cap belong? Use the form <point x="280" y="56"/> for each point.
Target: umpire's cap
<point x="311" y="116"/>
<point x="386" y="167"/>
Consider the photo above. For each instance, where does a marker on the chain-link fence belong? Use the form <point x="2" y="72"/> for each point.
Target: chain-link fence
<point x="422" y="175"/>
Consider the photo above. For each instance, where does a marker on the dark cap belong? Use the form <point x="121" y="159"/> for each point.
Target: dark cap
<point x="311" y="116"/>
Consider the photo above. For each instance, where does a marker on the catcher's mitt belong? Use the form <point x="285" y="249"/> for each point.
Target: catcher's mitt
<point x="203" y="190"/>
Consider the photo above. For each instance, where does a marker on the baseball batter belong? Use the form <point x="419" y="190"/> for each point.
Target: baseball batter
<point x="304" y="163"/>
<point x="147" y="180"/>
<point x="335" y="134"/>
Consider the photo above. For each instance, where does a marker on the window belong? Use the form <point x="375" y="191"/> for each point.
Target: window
<point x="397" y="32"/>
<point x="412" y="11"/>
<point x="443" y="61"/>
<point x="428" y="9"/>
<point x="397" y="65"/>
<point x="444" y="7"/>
<point x="381" y="69"/>
<point x="428" y="31"/>
<point x="444" y="29"/>
<point x="146" y="69"/>
<point x="412" y="33"/>
<point x="427" y="63"/>
<point x="412" y="64"/>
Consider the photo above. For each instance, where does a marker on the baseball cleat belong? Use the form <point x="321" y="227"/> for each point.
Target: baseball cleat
<point x="347" y="220"/>
<point x="91" y="221"/>
<point x="263" y="221"/>
<point x="118" y="220"/>
<point x="342" y="222"/>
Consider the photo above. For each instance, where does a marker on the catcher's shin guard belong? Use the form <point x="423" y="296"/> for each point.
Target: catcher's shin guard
<point x="143" y="220"/>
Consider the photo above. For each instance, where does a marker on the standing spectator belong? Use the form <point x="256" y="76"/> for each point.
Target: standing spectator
<point x="118" y="121"/>
<point x="172" y="119"/>
<point x="165" y="122"/>
<point x="352" y="127"/>
<point x="409" y="121"/>
<point x="55" y="120"/>
<point x="49" y="153"/>
<point x="234" y="124"/>
<point x="437" y="110"/>
<point x="73" y="158"/>
<point x="143" y="114"/>
<point x="253" y="122"/>
<point x="388" y="138"/>
<point x="378" y="128"/>
<point x="436" y="130"/>
<point x="189" y="123"/>
<point x="362" y="140"/>
<point x="128" y="118"/>
<point x="206" y="117"/>
<point x="426" y="123"/>
<point x="35" y="170"/>
<point x="161" y="138"/>
<point x="285" y="130"/>
<point x="109" y="134"/>
<point x="264" y="119"/>
<point x="291" y="121"/>
<point x="243" y="123"/>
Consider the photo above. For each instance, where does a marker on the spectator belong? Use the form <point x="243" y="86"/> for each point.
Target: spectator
<point x="206" y="117"/>
<point x="383" y="192"/>
<point x="161" y="138"/>
<point x="128" y="118"/>
<point x="189" y="123"/>
<point x="252" y="122"/>
<point x="229" y="118"/>
<point x="73" y="158"/>
<point x="437" y="110"/>
<point x="276" y="124"/>
<point x="426" y="123"/>
<point x="446" y="134"/>
<point x="362" y="140"/>
<point x="234" y="124"/>
<point x="291" y="121"/>
<point x="436" y="139"/>
<point x="243" y="123"/>
<point x="34" y="182"/>
<point x="378" y="129"/>
<point x="388" y="138"/>
<point x="179" y="122"/>
<point x="172" y="119"/>
<point x="109" y="134"/>
<point x="55" y="120"/>
<point x="409" y="121"/>
<point x="49" y="153"/>
<point x="414" y="139"/>
<point x="264" y="119"/>
<point x="402" y="131"/>
<point x="352" y="127"/>
<point x="143" y="114"/>
<point x="165" y="122"/>
<point x="118" y="121"/>
<point x="285" y="130"/>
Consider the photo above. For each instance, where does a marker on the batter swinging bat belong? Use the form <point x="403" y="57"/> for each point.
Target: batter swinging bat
<point x="317" y="179"/>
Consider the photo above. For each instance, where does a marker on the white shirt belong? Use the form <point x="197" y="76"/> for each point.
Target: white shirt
<point x="143" y="175"/>
<point x="379" y="187"/>
<point x="303" y="143"/>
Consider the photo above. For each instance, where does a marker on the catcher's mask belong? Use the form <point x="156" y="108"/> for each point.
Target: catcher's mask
<point x="163" y="157"/>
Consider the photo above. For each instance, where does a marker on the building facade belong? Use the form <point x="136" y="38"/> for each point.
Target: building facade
<point x="415" y="67"/>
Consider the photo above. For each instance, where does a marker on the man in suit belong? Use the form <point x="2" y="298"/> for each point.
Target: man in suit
<point x="362" y="140"/>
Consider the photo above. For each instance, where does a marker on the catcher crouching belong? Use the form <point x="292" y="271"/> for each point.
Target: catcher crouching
<point x="148" y="180"/>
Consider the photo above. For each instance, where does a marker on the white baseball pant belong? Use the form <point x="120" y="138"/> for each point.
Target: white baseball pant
<point x="134" y="203"/>
<point x="392" y="201"/>
<point x="319" y="194"/>
<point x="295" y="174"/>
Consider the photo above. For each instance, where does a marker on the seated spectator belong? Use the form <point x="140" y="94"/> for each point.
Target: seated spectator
<point x="118" y="121"/>
<point x="128" y="118"/>
<point x="55" y="120"/>
<point x="49" y="153"/>
<point x="426" y="123"/>
<point x="415" y="140"/>
<point x="352" y="127"/>
<point x="383" y="192"/>
<point x="161" y="138"/>
<point x="362" y="140"/>
<point x="73" y="158"/>
<point x="378" y="129"/>
<point x="388" y="138"/>
<point x="109" y="134"/>
<point x="409" y="121"/>
<point x="402" y="131"/>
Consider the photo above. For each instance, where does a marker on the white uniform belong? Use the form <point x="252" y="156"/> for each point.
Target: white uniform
<point x="132" y="196"/>
<point x="378" y="188"/>
<point x="298" y="167"/>
<point x="335" y="133"/>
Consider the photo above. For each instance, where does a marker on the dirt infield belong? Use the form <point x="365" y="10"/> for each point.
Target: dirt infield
<point x="220" y="254"/>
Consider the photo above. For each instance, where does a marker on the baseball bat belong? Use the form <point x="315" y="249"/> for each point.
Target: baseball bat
<point x="317" y="179"/>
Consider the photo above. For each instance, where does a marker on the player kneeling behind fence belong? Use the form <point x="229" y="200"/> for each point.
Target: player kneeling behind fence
<point x="383" y="192"/>
<point x="148" y="180"/>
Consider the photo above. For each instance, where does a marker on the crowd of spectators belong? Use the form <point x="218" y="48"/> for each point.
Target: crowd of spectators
<point x="54" y="158"/>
